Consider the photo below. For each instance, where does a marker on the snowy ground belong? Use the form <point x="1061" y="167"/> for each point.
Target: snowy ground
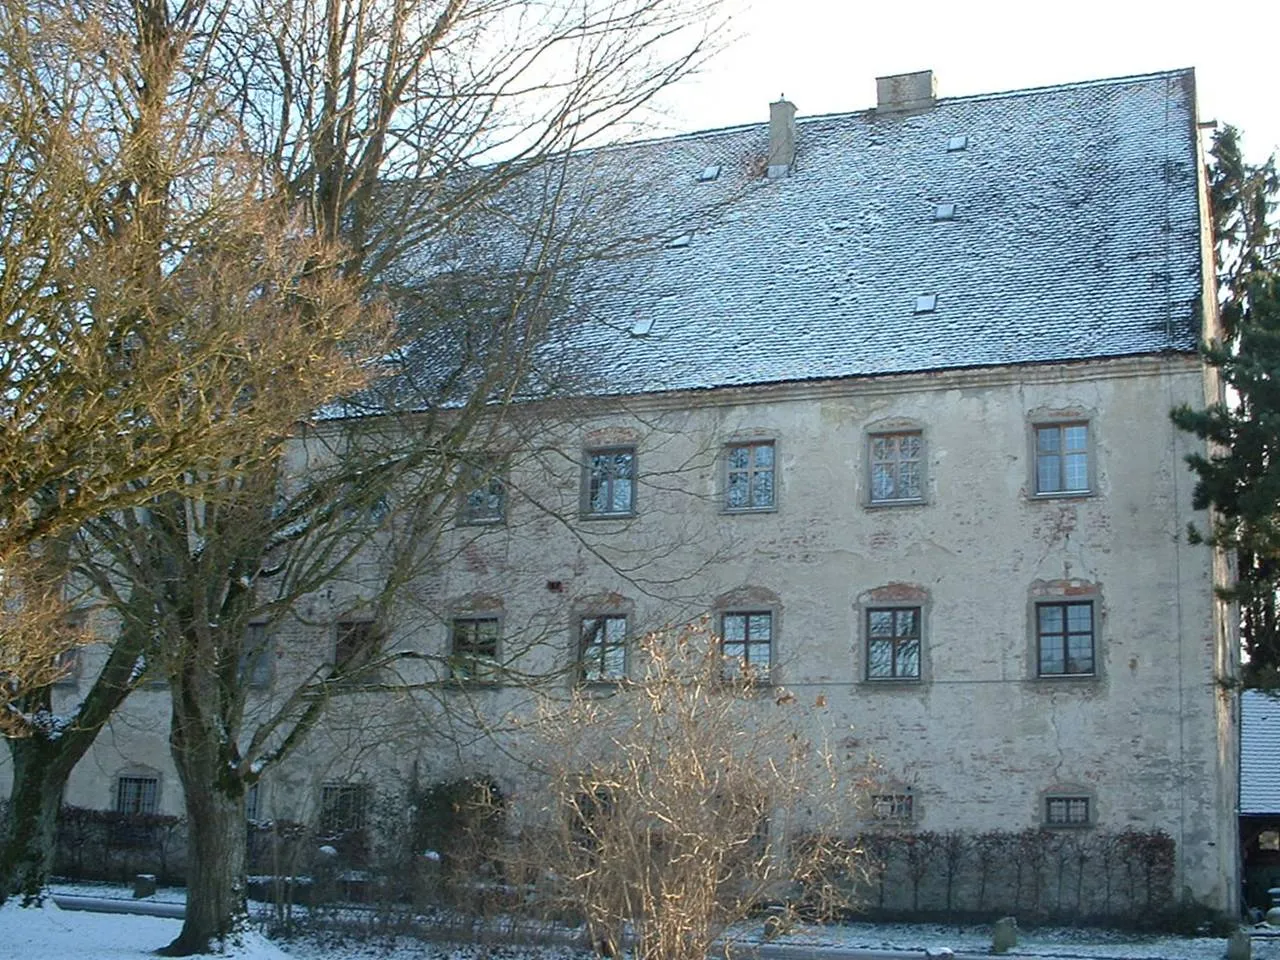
<point x="66" y="935"/>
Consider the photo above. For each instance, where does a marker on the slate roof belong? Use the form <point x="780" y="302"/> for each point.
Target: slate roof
<point x="1076" y="235"/>
<point x="1259" y="753"/>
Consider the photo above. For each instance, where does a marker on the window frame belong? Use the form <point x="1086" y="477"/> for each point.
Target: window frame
<point x="1065" y="635"/>
<point x="581" y="662"/>
<point x="1061" y="424"/>
<point x="256" y="662"/>
<point x="589" y="455"/>
<point x="921" y="461"/>
<point x="1048" y="802"/>
<point x="894" y="609"/>
<point x="144" y="806"/>
<point x="357" y="657"/>
<point x="69" y="663"/>
<point x="893" y="806"/>
<point x="751" y="470"/>
<point x="459" y="673"/>
<point x="486" y="471"/>
<point x="334" y="811"/>
<point x="760" y="677"/>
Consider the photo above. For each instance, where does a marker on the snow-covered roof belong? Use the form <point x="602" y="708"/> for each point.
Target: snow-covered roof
<point x="1074" y="234"/>
<point x="1259" y="753"/>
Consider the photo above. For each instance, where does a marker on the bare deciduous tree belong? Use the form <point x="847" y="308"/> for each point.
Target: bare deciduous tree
<point x="167" y="322"/>
<point x="390" y="129"/>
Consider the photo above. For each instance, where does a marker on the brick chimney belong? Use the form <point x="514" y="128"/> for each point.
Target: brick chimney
<point x="782" y="137"/>
<point x="906" y="91"/>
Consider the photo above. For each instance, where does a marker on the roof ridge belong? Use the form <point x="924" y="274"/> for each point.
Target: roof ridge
<point x="1172" y="73"/>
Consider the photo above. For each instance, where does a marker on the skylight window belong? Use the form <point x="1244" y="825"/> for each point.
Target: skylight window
<point x="957" y="143"/>
<point x="683" y="240"/>
<point x="926" y="303"/>
<point x="944" y="211"/>
<point x="641" y="326"/>
<point x="709" y="173"/>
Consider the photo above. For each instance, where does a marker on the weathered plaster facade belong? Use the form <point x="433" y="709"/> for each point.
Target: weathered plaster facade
<point x="980" y="728"/>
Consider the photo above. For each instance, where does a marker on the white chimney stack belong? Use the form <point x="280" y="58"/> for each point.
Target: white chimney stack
<point x="906" y="91"/>
<point x="782" y="137"/>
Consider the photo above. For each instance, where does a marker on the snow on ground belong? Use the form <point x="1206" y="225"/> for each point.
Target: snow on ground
<point x="74" y="935"/>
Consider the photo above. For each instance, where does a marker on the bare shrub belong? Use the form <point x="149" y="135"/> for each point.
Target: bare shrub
<point x="682" y="803"/>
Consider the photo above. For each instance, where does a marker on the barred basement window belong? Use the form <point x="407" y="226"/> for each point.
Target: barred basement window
<point x="343" y="807"/>
<point x="1066" y="811"/>
<point x="891" y="806"/>
<point x="137" y="794"/>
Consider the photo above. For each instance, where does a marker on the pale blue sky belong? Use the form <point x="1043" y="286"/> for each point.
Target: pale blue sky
<point x="825" y="54"/>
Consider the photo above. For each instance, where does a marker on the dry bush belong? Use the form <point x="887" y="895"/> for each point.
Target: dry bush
<point x="686" y="801"/>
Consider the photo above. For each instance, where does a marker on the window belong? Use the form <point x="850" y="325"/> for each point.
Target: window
<point x="137" y="795"/>
<point x="355" y="642"/>
<point x="610" y="482"/>
<point x="252" y="802"/>
<point x="1066" y="811"/>
<point x="484" y="497"/>
<point x="749" y="478"/>
<point x="68" y="666"/>
<point x="1064" y="637"/>
<point x="603" y="648"/>
<point x="895" y="467"/>
<point x="893" y="643"/>
<point x="891" y="806"/>
<point x="343" y="807"/>
<point x="474" y="651"/>
<point x="1062" y="458"/>
<point x="746" y="641"/>
<point x="255" y="656"/>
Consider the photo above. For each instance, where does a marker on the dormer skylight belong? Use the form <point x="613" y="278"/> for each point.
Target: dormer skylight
<point x="683" y="240"/>
<point x="957" y="143"/>
<point x="641" y="326"/>
<point x="926" y="303"/>
<point x="709" y="173"/>
<point x="944" y="211"/>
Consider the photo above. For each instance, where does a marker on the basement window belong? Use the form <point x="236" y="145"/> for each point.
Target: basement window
<point x="1066" y="811"/>
<point x="958" y="143"/>
<point x="709" y="173"/>
<point x="891" y="806"/>
<point x="926" y="303"/>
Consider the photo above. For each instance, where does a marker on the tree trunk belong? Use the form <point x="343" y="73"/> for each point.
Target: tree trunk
<point x="41" y="766"/>
<point x="216" y="832"/>
<point x="40" y="769"/>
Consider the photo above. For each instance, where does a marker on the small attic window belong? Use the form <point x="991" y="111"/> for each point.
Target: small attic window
<point x="926" y="303"/>
<point x="709" y="173"/>
<point x="944" y="211"/>
<point x="641" y="326"/>
<point x="683" y="240"/>
<point x="958" y="143"/>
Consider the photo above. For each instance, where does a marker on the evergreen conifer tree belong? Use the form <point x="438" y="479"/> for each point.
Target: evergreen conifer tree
<point x="1239" y="477"/>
